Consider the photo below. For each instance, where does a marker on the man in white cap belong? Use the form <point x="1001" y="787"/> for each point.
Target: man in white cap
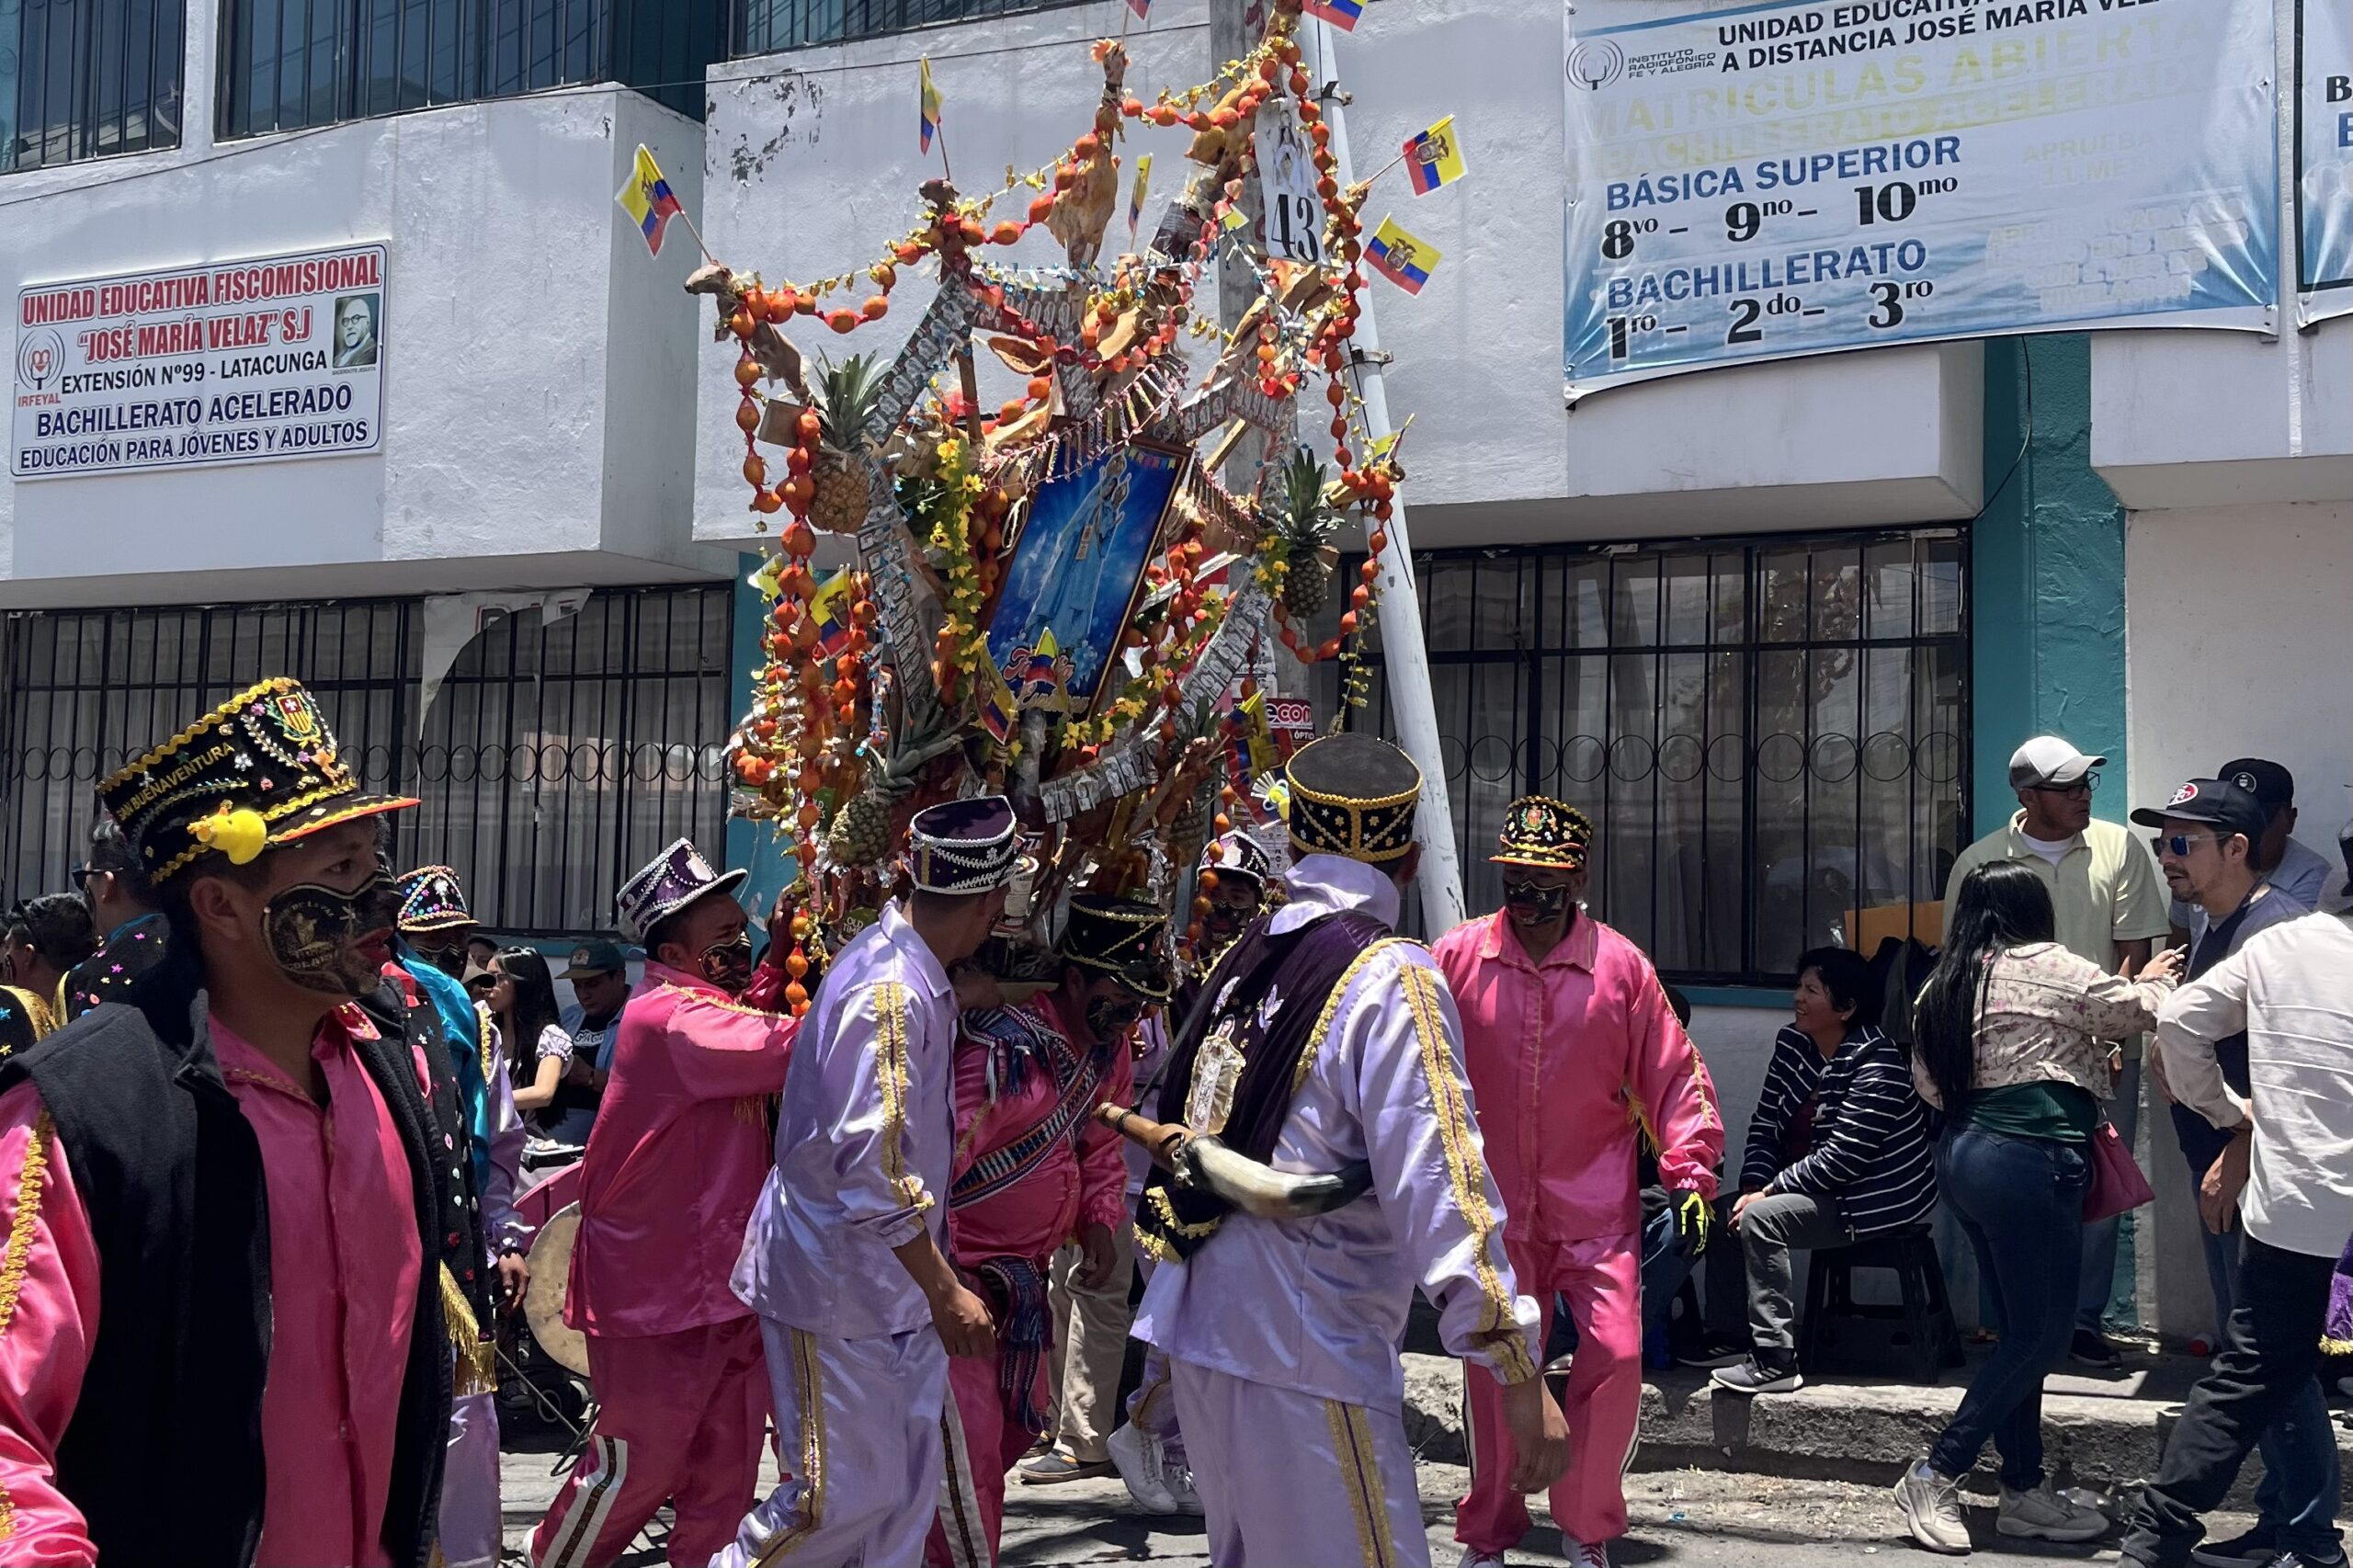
<point x="845" y="1261"/>
<point x="2111" y="908"/>
<point x="675" y="1163"/>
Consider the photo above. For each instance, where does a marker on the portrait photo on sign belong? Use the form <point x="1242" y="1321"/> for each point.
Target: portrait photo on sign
<point x="355" y="330"/>
<point x="1078" y="565"/>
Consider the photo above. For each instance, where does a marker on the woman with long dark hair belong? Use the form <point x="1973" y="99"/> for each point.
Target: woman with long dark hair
<point x="2009" y="1038"/>
<point x="522" y="1003"/>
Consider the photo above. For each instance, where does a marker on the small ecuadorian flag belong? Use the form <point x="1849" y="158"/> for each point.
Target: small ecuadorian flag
<point x="829" y="610"/>
<point x="931" y="106"/>
<point x="1434" y="156"/>
<point x="1398" y="257"/>
<point x="646" y="198"/>
<point x="1341" y="14"/>
<point x="1144" y="184"/>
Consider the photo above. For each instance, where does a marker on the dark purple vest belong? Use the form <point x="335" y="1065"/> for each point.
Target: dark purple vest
<point x="1300" y="968"/>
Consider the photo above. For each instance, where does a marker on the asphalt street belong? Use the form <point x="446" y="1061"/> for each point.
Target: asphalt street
<point x="1681" y="1519"/>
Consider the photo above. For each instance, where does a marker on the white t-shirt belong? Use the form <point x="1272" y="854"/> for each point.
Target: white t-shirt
<point x="2052" y="849"/>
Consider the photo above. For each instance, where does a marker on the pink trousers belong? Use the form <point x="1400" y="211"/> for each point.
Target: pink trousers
<point x="678" y="1419"/>
<point x="1601" y="1278"/>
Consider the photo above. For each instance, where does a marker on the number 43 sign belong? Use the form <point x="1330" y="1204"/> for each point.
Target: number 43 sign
<point x="1294" y="216"/>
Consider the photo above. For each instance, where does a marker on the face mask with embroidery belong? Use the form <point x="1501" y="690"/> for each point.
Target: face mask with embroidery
<point x="728" y="964"/>
<point x="1533" y="905"/>
<point x="313" y="934"/>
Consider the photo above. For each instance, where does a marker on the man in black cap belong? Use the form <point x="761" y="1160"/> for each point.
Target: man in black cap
<point x="2279" y="858"/>
<point x="228" y="1203"/>
<point x="2206" y="843"/>
<point x="1328" y="1044"/>
<point x="599" y="976"/>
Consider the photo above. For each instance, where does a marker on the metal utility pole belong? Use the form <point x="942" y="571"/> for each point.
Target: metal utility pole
<point x="1404" y="657"/>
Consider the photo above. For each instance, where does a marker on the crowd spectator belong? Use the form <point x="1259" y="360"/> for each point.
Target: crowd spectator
<point x="2010" y="1036"/>
<point x="47" y="936"/>
<point x="2290" y="866"/>
<point x="2289" y="1171"/>
<point x="2208" y="836"/>
<point x="2108" y="907"/>
<point x="1838" y="1152"/>
<point x="599" y="976"/>
<point x="123" y="911"/>
<point x="522" y="1003"/>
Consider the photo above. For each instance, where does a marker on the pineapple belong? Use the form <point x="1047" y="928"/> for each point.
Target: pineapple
<point x="846" y="396"/>
<point x="860" y="834"/>
<point x="1304" y="521"/>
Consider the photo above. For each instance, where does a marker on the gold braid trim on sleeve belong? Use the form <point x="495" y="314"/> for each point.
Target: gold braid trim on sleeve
<point x="1466" y="1173"/>
<point x="477" y="1359"/>
<point x="1325" y="1019"/>
<point x="891" y="1074"/>
<point x="31" y="1179"/>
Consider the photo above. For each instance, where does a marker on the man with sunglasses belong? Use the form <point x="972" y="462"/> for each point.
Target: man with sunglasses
<point x="2110" y="908"/>
<point x="1575" y="1059"/>
<point x="1034" y="1169"/>
<point x="2208" y="836"/>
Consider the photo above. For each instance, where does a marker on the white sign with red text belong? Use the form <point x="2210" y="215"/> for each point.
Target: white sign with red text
<point x="226" y="363"/>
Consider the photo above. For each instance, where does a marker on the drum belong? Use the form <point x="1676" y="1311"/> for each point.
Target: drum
<point x="550" y="1260"/>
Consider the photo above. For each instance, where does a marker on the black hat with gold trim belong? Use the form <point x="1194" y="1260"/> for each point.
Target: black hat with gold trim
<point x="261" y="769"/>
<point x="1121" y="937"/>
<point x="1542" y="832"/>
<point x="1236" y="854"/>
<point x="1353" y="795"/>
<point x="431" y="900"/>
<point x="963" y="847"/>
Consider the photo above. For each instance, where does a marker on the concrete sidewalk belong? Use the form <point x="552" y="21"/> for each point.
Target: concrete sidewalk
<point x="2104" y="1433"/>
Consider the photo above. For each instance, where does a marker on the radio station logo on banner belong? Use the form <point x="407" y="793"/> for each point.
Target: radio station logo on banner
<point x="1825" y="225"/>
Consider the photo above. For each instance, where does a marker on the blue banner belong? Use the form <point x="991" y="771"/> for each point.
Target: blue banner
<point x="1765" y="181"/>
<point x="2323" y="159"/>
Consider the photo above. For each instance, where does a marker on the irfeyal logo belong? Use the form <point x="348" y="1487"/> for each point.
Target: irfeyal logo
<point x="1595" y="62"/>
<point x="41" y="355"/>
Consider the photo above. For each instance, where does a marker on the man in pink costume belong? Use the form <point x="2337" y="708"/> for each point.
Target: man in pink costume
<point x="1034" y="1168"/>
<point x="1574" y="1054"/>
<point x="846" y="1259"/>
<point x="671" y="1174"/>
<point x="225" y="1195"/>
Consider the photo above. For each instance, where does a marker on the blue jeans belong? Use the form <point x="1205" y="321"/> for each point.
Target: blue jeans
<point x="2296" y="1500"/>
<point x="2020" y="1202"/>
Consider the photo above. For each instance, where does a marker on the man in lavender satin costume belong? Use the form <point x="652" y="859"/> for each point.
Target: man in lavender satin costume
<point x="1328" y="1041"/>
<point x="845" y="1259"/>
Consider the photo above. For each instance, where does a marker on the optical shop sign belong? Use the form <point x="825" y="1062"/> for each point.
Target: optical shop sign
<point x="230" y="362"/>
<point x="1768" y="180"/>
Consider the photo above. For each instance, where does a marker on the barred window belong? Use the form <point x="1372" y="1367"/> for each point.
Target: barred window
<point x="764" y="27"/>
<point x="88" y="79"/>
<point x="554" y="760"/>
<point x="1770" y="734"/>
<point x="288" y="63"/>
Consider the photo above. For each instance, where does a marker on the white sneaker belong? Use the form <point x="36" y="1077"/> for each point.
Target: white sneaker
<point x="1584" y="1553"/>
<point x="1473" y="1558"/>
<point x="1178" y="1478"/>
<point x="1931" y="1507"/>
<point x="2044" y="1515"/>
<point x="1136" y="1454"/>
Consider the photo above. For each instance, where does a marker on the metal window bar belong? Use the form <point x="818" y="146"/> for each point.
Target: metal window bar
<point x="82" y="79"/>
<point x="1548" y="759"/>
<point x="530" y="789"/>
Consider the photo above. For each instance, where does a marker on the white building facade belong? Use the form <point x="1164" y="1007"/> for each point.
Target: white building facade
<point x="476" y="539"/>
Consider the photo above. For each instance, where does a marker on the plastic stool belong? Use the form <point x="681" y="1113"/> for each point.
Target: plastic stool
<point x="1919" y="1338"/>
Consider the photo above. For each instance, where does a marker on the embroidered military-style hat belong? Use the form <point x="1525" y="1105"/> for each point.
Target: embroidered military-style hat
<point x="1542" y="832"/>
<point x="666" y="884"/>
<point x="1121" y="937"/>
<point x="1353" y="795"/>
<point x="1236" y="854"/>
<point x="963" y="847"/>
<point x="261" y="769"/>
<point x="431" y="900"/>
